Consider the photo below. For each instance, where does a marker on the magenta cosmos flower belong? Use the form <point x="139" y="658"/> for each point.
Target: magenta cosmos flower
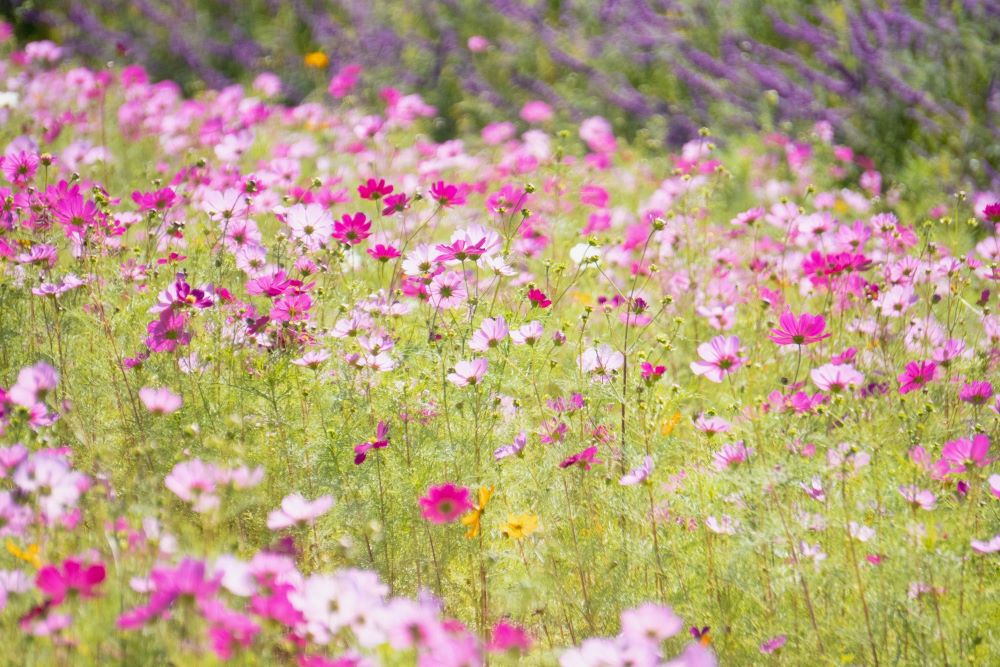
<point x="295" y="509"/>
<point x="731" y="455"/>
<point x="719" y="357"/>
<point x="507" y="637"/>
<point x="445" y="503"/>
<point x="958" y="455"/>
<point x="72" y="577"/>
<point x="803" y="330"/>
<point x="916" y="375"/>
<point x="584" y="458"/>
<point x="160" y="401"/>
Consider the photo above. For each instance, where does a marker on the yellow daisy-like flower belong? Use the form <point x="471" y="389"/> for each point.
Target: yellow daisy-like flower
<point x="519" y="526"/>
<point x="473" y="519"/>
<point x="316" y="60"/>
<point x="29" y="555"/>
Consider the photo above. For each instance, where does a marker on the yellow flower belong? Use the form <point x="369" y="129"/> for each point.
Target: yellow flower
<point x="29" y="555"/>
<point x="316" y="60"/>
<point x="473" y="518"/>
<point x="670" y="424"/>
<point x="520" y="526"/>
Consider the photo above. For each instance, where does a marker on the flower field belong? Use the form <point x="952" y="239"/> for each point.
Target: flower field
<point x="300" y="385"/>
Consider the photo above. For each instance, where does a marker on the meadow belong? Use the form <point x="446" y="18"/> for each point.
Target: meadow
<point x="299" y="384"/>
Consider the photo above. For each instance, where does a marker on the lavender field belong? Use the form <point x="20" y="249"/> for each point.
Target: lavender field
<point x="344" y="336"/>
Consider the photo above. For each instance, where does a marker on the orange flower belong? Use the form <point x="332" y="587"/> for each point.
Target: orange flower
<point x="316" y="60"/>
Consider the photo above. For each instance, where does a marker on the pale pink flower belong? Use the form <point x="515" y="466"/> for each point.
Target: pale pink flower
<point x="720" y="357"/>
<point x="295" y="509"/>
<point x="469" y="372"/>
<point x="160" y="401"/>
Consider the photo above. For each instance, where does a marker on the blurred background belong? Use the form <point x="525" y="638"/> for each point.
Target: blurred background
<point x="906" y="83"/>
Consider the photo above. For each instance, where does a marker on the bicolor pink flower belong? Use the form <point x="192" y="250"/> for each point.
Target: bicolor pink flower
<point x="803" y="330"/>
<point x="379" y="441"/>
<point x="295" y="510"/>
<point x="160" y="401"/>
<point x="445" y="503"/>
<point x="469" y="372"/>
<point x="711" y="425"/>
<point x="916" y="375"/>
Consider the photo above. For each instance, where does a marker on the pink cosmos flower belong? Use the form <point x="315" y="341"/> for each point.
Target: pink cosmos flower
<point x="994" y="482"/>
<point x="601" y="362"/>
<point x="989" y="547"/>
<point x="445" y="503"/>
<point x="916" y="375"/>
<point x="650" y="623"/>
<point x="731" y="455"/>
<point x="836" y="378"/>
<point x="469" y="372"/>
<point x="507" y="638"/>
<point x="447" y="194"/>
<point x="773" y="645"/>
<point x="72" y="577"/>
<point x="168" y="332"/>
<point x="383" y="253"/>
<point x="160" y="401"/>
<point x="379" y="441"/>
<point x="584" y="459"/>
<point x="804" y="330"/>
<point x="639" y="474"/>
<point x="344" y="81"/>
<point x="33" y="384"/>
<point x="447" y="290"/>
<point x="527" y="334"/>
<point x="478" y="44"/>
<point x="291" y="308"/>
<point x="295" y="509"/>
<point x="538" y="299"/>
<point x="516" y="447"/>
<point x="374" y="190"/>
<point x="916" y="497"/>
<point x="959" y="455"/>
<point x="311" y="225"/>
<point x="720" y="357"/>
<point x="712" y="425"/>
<point x="194" y="481"/>
<point x="352" y="230"/>
<point x="536" y="111"/>
<point x="976" y="393"/>
<point x="491" y="333"/>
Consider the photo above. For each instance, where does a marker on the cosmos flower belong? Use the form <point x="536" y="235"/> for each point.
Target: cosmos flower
<point x="720" y="357"/>
<point x="160" y="401"/>
<point x="445" y="503"/>
<point x="802" y="330"/>
<point x="295" y="509"/>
